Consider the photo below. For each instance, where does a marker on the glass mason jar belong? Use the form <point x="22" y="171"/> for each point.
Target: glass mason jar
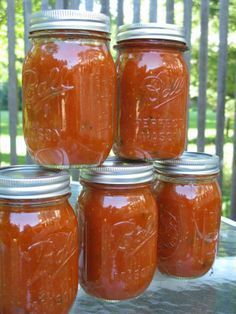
<point x="38" y="241"/>
<point x="189" y="203"/>
<point x="69" y="85"/>
<point x="118" y="230"/>
<point x="152" y="91"/>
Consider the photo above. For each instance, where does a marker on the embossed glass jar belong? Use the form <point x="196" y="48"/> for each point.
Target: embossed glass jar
<point x="153" y="90"/>
<point x="38" y="241"/>
<point x="189" y="203"/>
<point x="118" y="230"/>
<point x="69" y="85"/>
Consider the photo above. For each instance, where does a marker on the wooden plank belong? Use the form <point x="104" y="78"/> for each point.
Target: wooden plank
<point x="233" y="186"/>
<point x="120" y="13"/>
<point x="44" y="5"/>
<point x="221" y="84"/>
<point x="187" y="55"/>
<point x="89" y="5"/>
<point x="202" y="70"/>
<point x="188" y="28"/>
<point x="12" y="80"/>
<point x="27" y="7"/>
<point x="136" y="11"/>
<point x="153" y="11"/>
<point x="170" y="11"/>
<point x="105" y="7"/>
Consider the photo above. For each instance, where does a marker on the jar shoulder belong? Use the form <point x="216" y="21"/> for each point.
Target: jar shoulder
<point x="123" y="200"/>
<point x="191" y="191"/>
<point x="19" y="219"/>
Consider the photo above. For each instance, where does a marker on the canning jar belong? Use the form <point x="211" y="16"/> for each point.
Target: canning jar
<point x="118" y="230"/>
<point x="69" y="84"/>
<point x="189" y="203"/>
<point x="152" y="91"/>
<point x="38" y="241"/>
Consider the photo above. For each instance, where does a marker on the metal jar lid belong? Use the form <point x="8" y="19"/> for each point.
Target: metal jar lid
<point x="190" y="163"/>
<point x="69" y="19"/>
<point x="116" y="171"/>
<point x="150" y="31"/>
<point x="32" y="182"/>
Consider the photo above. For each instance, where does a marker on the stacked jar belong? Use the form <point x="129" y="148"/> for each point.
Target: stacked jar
<point x="153" y="90"/>
<point x="189" y="203"/>
<point x="69" y="85"/>
<point x="38" y="241"/>
<point x="70" y="121"/>
<point x="152" y="118"/>
<point x="118" y="229"/>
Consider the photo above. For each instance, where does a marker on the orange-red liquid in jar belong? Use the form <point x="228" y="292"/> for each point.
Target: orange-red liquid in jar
<point x="189" y="221"/>
<point x="118" y="231"/>
<point x="38" y="256"/>
<point x="69" y="85"/>
<point x="152" y="99"/>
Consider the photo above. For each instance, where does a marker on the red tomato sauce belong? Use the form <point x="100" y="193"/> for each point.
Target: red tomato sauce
<point x="152" y="99"/>
<point x="118" y="240"/>
<point x="38" y="257"/>
<point x="69" y="88"/>
<point x="189" y="221"/>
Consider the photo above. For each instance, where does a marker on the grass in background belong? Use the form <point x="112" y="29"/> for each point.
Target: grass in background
<point x="5" y="159"/>
<point x="210" y="119"/>
<point x="4" y="123"/>
<point x="210" y="146"/>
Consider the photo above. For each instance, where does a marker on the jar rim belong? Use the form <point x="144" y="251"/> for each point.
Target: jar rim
<point x="118" y="172"/>
<point x="190" y="163"/>
<point x="169" y="32"/>
<point x="33" y="182"/>
<point x="69" y="19"/>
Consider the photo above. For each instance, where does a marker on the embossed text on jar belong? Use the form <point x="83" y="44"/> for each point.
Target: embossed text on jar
<point x="69" y="100"/>
<point x="189" y="219"/>
<point x="189" y="201"/>
<point x="118" y="232"/>
<point x="38" y="256"/>
<point x="153" y="90"/>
